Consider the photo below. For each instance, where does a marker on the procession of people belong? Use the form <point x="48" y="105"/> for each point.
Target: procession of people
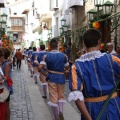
<point x="93" y="77"/>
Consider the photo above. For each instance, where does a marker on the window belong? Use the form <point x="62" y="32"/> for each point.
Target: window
<point x="16" y="22"/>
<point x="15" y="13"/>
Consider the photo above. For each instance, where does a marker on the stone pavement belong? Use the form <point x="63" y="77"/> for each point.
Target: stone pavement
<point x="27" y="102"/>
<point x="21" y="108"/>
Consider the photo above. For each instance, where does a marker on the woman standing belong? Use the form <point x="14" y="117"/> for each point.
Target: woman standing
<point x="2" y="104"/>
<point x="6" y="68"/>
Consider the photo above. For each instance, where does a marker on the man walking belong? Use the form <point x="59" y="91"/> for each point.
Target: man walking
<point x="56" y="63"/>
<point x="18" y="56"/>
<point x="93" y="77"/>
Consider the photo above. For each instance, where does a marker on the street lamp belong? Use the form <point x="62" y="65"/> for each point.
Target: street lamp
<point x="65" y="28"/>
<point x="8" y="33"/>
<point x="107" y="8"/>
<point x="8" y="28"/>
<point x="3" y="24"/>
<point x="61" y="30"/>
<point x="91" y="14"/>
<point x="4" y="17"/>
<point x="63" y="21"/>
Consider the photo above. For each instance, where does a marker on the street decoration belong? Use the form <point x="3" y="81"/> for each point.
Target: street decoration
<point x="102" y="45"/>
<point x="96" y="25"/>
<point x="6" y="43"/>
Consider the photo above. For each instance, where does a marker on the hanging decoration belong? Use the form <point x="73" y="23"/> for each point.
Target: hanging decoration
<point x="102" y="45"/>
<point x="96" y="25"/>
<point x="6" y="43"/>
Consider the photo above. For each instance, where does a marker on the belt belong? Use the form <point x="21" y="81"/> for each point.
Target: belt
<point x="101" y="98"/>
<point x="55" y="72"/>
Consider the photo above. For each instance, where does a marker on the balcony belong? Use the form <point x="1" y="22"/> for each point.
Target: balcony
<point x="53" y="5"/>
<point x="17" y="28"/>
<point x="45" y="17"/>
<point x="75" y="3"/>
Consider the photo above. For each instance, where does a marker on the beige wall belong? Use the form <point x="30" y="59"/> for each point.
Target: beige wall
<point x="78" y="15"/>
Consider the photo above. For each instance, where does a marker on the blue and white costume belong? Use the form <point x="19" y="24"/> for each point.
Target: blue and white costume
<point x="98" y="73"/>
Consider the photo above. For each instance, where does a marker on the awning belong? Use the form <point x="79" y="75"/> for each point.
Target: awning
<point x="25" y="11"/>
<point x="74" y="3"/>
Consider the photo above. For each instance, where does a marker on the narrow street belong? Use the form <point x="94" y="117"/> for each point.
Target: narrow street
<point x="27" y="102"/>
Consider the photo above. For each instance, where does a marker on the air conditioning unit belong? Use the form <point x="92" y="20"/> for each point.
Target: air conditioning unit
<point x="53" y="5"/>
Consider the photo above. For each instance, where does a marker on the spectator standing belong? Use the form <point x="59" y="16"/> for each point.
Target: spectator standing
<point x="2" y="104"/>
<point x="18" y="56"/>
<point x="6" y="68"/>
<point x="110" y="49"/>
<point x="117" y="51"/>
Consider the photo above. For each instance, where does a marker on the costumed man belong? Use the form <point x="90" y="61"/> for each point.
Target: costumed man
<point x="56" y="63"/>
<point x="29" y="61"/>
<point x="93" y="76"/>
<point x="34" y="60"/>
<point x="42" y="76"/>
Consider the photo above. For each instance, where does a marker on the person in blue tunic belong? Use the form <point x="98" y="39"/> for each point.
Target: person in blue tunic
<point x="93" y="76"/>
<point x="56" y="63"/>
<point x="34" y="60"/>
<point x="29" y="61"/>
<point x="42" y="76"/>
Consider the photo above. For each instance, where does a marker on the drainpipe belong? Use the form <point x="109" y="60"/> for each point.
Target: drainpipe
<point x="115" y="23"/>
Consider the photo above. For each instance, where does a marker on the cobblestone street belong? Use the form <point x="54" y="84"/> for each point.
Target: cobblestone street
<point x="21" y="108"/>
<point x="27" y="99"/>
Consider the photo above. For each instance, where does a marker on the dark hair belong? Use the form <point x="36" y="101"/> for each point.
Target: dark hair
<point x="53" y="43"/>
<point x="30" y="48"/>
<point x="42" y="47"/>
<point x="91" y="37"/>
<point x="6" y="53"/>
<point x="34" y="49"/>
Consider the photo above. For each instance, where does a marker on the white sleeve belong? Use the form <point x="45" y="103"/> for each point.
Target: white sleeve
<point x="43" y="62"/>
<point x="75" y="95"/>
<point x="1" y="71"/>
<point x="66" y="64"/>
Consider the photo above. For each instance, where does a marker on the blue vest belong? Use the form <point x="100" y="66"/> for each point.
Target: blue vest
<point x="10" y="74"/>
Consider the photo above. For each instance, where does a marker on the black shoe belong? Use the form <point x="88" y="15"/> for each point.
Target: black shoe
<point x="31" y="76"/>
<point x="45" y="97"/>
<point x="61" y="117"/>
<point x="35" y="82"/>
